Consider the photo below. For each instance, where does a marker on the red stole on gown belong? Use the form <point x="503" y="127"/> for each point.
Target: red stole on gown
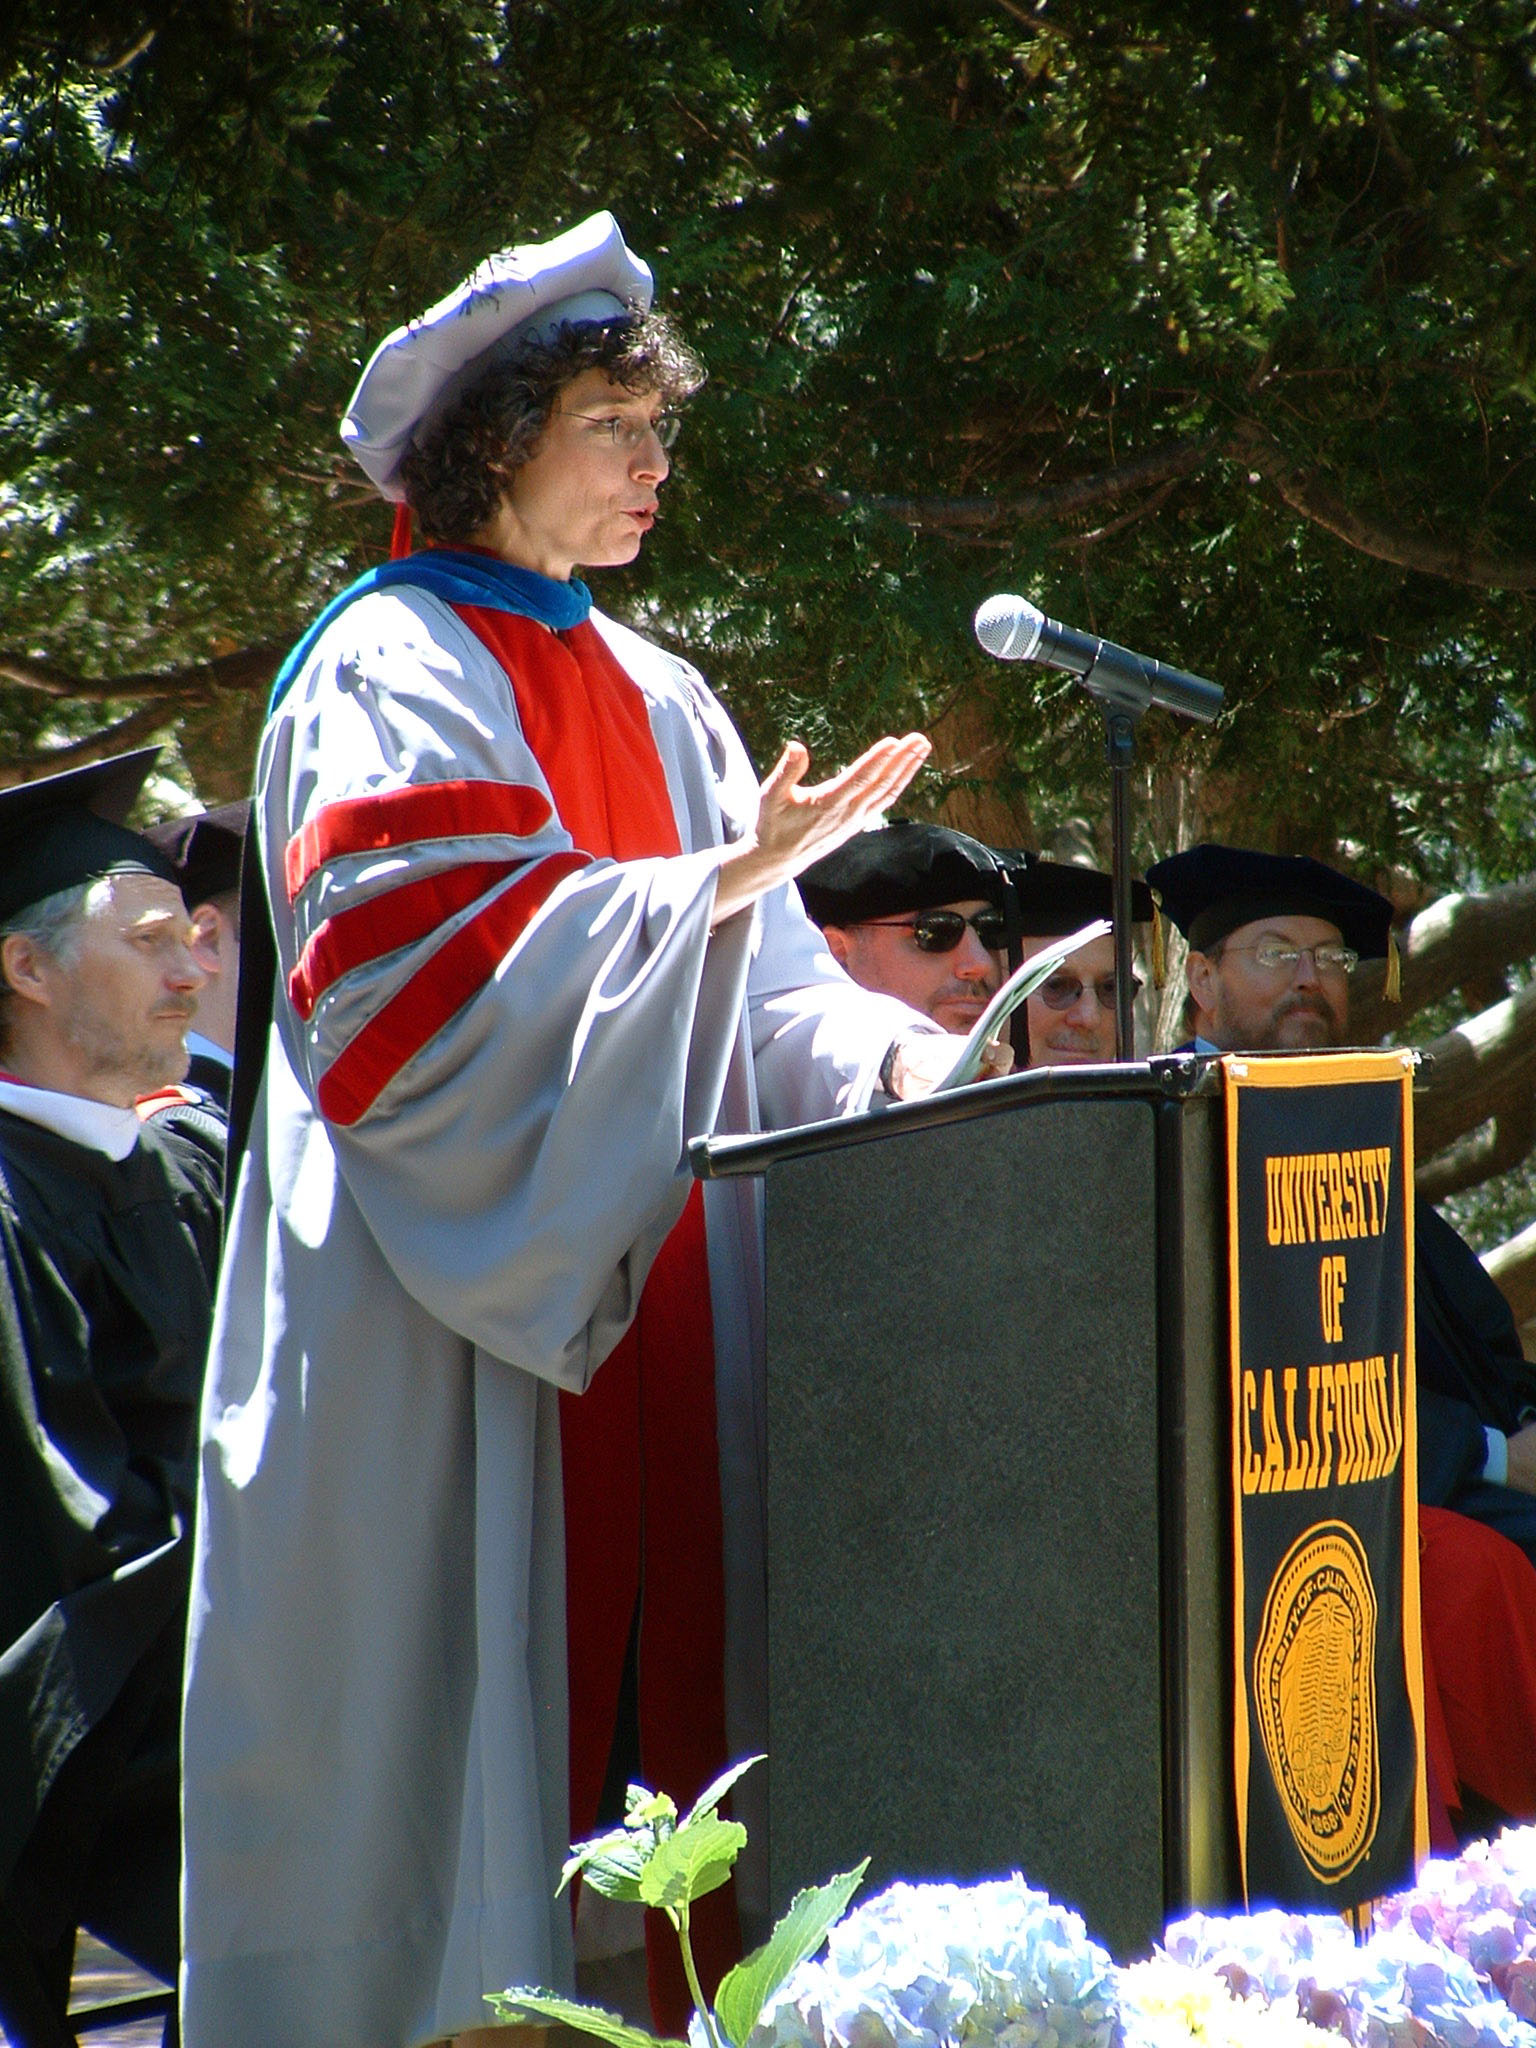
<point x="639" y="1451"/>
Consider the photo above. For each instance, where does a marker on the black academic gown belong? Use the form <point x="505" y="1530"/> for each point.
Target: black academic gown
<point x="1471" y="1371"/>
<point x="106" y="1288"/>
<point x="213" y="1077"/>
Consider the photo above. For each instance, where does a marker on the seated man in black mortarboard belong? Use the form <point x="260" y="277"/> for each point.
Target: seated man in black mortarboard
<point x="915" y="911"/>
<point x="108" y="1245"/>
<point x="1072" y="1015"/>
<point x="205" y="849"/>
<point x="930" y="915"/>
<point x="1273" y="941"/>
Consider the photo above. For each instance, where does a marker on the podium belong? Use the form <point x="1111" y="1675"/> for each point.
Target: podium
<point x="999" y="1598"/>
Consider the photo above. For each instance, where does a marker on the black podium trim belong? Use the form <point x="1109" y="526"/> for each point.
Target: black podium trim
<point x="1171" y="1077"/>
<point x="1168" y="1167"/>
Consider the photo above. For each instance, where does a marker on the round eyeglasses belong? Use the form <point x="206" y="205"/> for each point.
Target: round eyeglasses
<point x="628" y="434"/>
<point x="940" y="931"/>
<point x="1065" y="991"/>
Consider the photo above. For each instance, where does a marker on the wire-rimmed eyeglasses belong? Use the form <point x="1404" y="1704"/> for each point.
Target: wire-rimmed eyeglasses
<point x="628" y="434"/>
<point x="1274" y="957"/>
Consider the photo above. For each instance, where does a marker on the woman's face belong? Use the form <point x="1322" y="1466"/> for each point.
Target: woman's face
<point x="584" y="499"/>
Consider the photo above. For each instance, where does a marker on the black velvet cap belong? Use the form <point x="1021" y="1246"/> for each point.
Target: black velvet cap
<point x="1209" y="890"/>
<point x="204" y="849"/>
<point x="1055" y="897"/>
<point x="900" y="867"/>
<point x="68" y="829"/>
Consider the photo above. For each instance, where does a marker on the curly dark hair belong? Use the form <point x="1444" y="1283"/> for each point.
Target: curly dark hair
<point x="455" y="478"/>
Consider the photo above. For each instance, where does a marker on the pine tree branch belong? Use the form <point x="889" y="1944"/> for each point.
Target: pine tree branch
<point x="1054" y="501"/>
<point x="1246" y="442"/>
<point x="1318" y="503"/>
<point x="133" y="731"/>
<point x="248" y="668"/>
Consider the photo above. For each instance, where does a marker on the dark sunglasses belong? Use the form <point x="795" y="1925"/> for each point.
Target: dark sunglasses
<point x="940" y="931"/>
<point x="1062" y="991"/>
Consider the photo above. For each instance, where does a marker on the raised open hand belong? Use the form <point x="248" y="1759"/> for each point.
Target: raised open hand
<point x="798" y="822"/>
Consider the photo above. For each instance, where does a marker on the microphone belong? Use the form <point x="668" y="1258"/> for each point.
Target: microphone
<point x="1012" y="629"/>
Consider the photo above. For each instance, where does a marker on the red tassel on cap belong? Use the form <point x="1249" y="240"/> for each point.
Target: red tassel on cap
<point x="400" y="539"/>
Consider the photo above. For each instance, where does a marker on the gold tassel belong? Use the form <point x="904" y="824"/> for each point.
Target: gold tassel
<point x="1159" y="942"/>
<point x="1393" y="991"/>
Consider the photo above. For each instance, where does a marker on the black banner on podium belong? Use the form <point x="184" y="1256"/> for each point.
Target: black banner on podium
<point x="1328" y="1737"/>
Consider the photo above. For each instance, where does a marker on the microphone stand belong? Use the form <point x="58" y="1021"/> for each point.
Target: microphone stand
<point x="1124" y="685"/>
<point x="1120" y="723"/>
<point x="1124" y="700"/>
<point x="1124" y="697"/>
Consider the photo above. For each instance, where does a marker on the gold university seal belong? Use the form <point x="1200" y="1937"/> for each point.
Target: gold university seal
<point x="1314" y="1688"/>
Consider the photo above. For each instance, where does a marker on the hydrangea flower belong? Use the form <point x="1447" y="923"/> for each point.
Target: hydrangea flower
<point x="1164" y="2004"/>
<point x="922" y="1965"/>
<point x="1482" y="1905"/>
<point x="1406" y="1987"/>
<point x="1266" y="1953"/>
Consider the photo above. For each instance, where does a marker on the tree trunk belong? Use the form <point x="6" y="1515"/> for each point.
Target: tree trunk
<point x="1473" y="1070"/>
<point x="1455" y="940"/>
<point x="1513" y="1267"/>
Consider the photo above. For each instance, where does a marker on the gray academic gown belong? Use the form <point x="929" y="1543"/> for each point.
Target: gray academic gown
<point x="375" y="1732"/>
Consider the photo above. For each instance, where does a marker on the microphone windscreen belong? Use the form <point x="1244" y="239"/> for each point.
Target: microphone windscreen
<point x="1008" y="627"/>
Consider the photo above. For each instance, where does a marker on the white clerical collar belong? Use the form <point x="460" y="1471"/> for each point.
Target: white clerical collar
<point x="197" y="1045"/>
<point x="100" y="1125"/>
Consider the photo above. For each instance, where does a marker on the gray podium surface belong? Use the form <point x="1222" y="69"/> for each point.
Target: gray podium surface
<point x="995" y="1629"/>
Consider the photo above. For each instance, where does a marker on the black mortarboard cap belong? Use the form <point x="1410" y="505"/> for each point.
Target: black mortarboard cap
<point x="1209" y="890"/>
<point x="1056" y="897"/>
<point x="900" y="867"/>
<point x="67" y="829"/>
<point x="204" y="849"/>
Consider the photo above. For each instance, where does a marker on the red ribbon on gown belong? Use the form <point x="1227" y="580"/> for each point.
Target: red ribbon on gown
<point x="639" y="1451"/>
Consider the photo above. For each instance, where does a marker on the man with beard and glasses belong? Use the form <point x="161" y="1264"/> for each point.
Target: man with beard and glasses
<point x="108" y="1247"/>
<point x="1273" y="941"/>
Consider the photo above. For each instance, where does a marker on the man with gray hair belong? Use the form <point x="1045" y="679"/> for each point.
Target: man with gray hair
<point x="108" y="1248"/>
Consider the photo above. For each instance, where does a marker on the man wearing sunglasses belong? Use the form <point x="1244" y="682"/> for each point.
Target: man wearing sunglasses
<point x="1072" y="1015"/>
<point x="915" y="911"/>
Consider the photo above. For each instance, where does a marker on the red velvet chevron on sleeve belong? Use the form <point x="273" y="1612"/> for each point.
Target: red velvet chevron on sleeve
<point x="436" y="992"/>
<point x="412" y="911"/>
<point x="405" y="817"/>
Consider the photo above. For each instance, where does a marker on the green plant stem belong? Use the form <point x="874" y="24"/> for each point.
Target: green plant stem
<point x="700" y="2003"/>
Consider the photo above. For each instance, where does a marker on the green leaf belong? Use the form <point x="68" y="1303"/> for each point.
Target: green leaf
<point x="646" y="1809"/>
<point x="610" y="1863"/>
<point x="694" y="1861"/>
<point x="543" y="2006"/>
<point x="712" y="1795"/>
<point x="745" y="1990"/>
